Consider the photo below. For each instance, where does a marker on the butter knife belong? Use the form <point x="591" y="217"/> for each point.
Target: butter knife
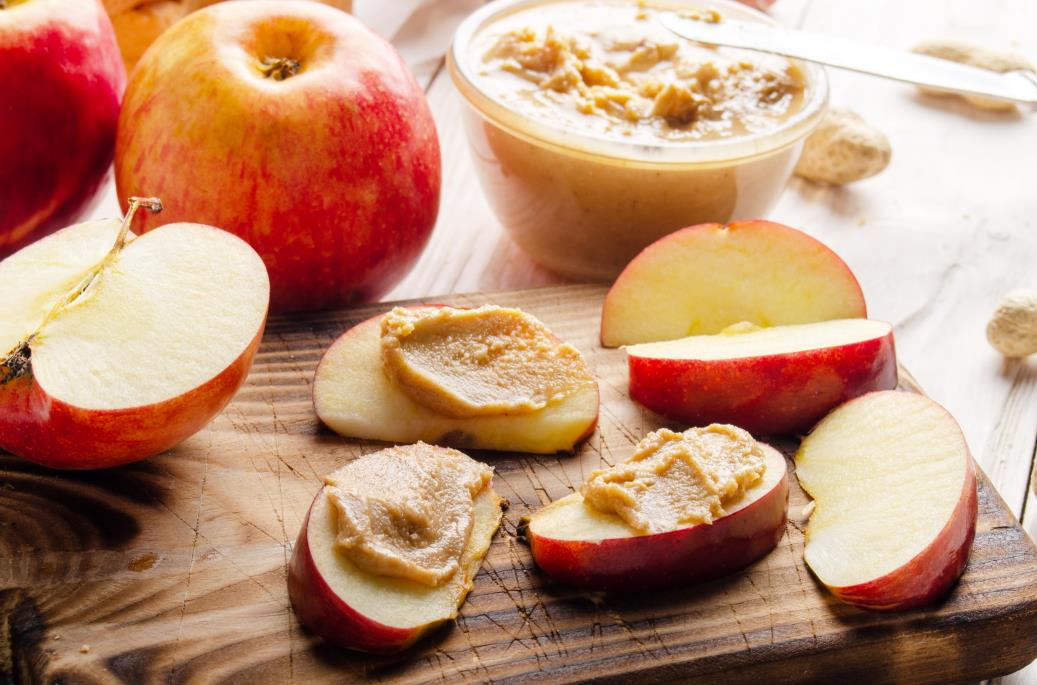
<point x="1019" y="87"/>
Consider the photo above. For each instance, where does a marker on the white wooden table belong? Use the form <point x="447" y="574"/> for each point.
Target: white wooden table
<point x="935" y="240"/>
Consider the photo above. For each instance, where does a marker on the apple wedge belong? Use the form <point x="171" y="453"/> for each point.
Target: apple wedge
<point x="116" y="348"/>
<point x="355" y="609"/>
<point x="765" y="380"/>
<point x="702" y="279"/>
<point x="580" y="545"/>
<point x="354" y="397"/>
<point x="894" y="488"/>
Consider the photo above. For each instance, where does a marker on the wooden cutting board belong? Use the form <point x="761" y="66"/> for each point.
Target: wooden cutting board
<point x="173" y="570"/>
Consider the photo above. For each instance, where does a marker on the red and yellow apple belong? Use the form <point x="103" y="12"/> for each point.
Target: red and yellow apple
<point x="354" y="396"/>
<point x="577" y="544"/>
<point x="894" y="490"/>
<point x="139" y="22"/>
<point x="353" y="608"/>
<point x="765" y="380"/>
<point x="702" y="279"/>
<point x="61" y="81"/>
<point x="113" y="352"/>
<point x="295" y="127"/>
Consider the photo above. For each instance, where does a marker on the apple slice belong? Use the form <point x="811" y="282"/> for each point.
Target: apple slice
<point x="765" y="380"/>
<point x="116" y="348"/>
<point x="354" y="397"/>
<point x="894" y="488"/>
<point x="580" y="545"/>
<point x="355" y="609"/>
<point x="702" y="279"/>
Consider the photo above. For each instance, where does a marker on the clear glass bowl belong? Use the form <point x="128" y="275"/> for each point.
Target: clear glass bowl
<point x="584" y="205"/>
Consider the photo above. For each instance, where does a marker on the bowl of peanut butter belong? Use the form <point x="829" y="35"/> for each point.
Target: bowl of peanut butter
<point x="595" y="131"/>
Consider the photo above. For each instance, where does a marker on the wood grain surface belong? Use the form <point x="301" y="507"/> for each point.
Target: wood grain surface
<point x="173" y="570"/>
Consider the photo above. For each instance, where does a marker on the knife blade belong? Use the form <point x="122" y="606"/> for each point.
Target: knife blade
<point x="1019" y="87"/>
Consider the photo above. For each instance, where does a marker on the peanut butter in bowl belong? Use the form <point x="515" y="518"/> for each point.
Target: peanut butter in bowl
<point x="595" y="131"/>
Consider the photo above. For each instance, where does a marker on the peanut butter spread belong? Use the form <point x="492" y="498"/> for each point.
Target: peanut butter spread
<point x="406" y="511"/>
<point x="490" y="360"/>
<point x="612" y="68"/>
<point x="676" y="480"/>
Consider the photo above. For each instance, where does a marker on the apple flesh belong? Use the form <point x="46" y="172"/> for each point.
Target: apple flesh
<point x="354" y="397"/>
<point x="358" y="610"/>
<point x="702" y="279"/>
<point x="894" y="488"/>
<point x="61" y="81"/>
<point x="110" y="356"/>
<point x="296" y="128"/>
<point x="582" y="546"/>
<point x="767" y="381"/>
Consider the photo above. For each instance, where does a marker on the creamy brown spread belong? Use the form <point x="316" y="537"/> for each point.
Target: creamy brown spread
<point x="486" y="361"/>
<point x="406" y="511"/>
<point x="676" y="480"/>
<point x="628" y="76"/>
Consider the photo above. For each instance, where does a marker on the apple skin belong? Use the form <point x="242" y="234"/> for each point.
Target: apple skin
<point x="61" y="82"/>
<point x="931" y="574"/>
<point x="318" y="608"/>
<point x="45" y="430"/>
<point x="332" y="175"/>
<point x="765" y="395"/>
<point x="673" y="559"/>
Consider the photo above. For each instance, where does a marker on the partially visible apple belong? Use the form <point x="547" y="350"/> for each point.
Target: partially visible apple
<point x="894" y="488"/>
<point x="354" y="397"/>
<point x="295" y="127"/>
<point x="61" y="81"/>
<point x="702" y="279"/>
<point x="115" y="348"/>
<point x="137" y="24"/>
<point x="768" y="380"/>
<point x="580" y="545"/>
<point x="355" y="609"/>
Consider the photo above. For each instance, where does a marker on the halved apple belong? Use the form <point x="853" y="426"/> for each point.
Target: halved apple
<point x="117" y="348"/>
<point x="766" y="380"/>
<point x="894" y="488"/>
<point x="355" y="609"/>
<point x="702" y="279"/>
<point x="580" y="545"/>
<point x="354" y="397"/>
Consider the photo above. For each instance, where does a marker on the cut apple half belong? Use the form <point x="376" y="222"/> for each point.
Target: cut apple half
<point x="118" y="347"/>
<point x="894" y="488"/>
<point x="702" y="279"/>
<point x="577" y="544"/>
<point x="354" y="397"/>
<point x="765" y="380"/>
<point x="358" y="610"/>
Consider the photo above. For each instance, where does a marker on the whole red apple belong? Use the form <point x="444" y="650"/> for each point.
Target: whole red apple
<point x="295" y="127"/>
<point x="61" y="79"/>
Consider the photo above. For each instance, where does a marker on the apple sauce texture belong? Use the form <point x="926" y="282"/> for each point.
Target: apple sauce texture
<point x="407" y="512"/>
<point x="608" y="71"/>
<point x="676" y="480"/>
<point x="487" y="361"/>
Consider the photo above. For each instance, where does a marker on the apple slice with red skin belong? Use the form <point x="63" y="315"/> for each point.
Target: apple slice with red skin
<point x="358" y="610"/>
<point x="354" y="397"/>
<point x="767" y="381"/>
<point x="894" y="488"/>
<point x="577" y="544"/>
<point x="115" y="348"/>
<point x="702" y="279"/>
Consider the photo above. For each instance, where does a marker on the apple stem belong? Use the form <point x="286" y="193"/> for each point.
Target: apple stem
<point x="278" y="68"/>
<point x="17" y="362"/>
